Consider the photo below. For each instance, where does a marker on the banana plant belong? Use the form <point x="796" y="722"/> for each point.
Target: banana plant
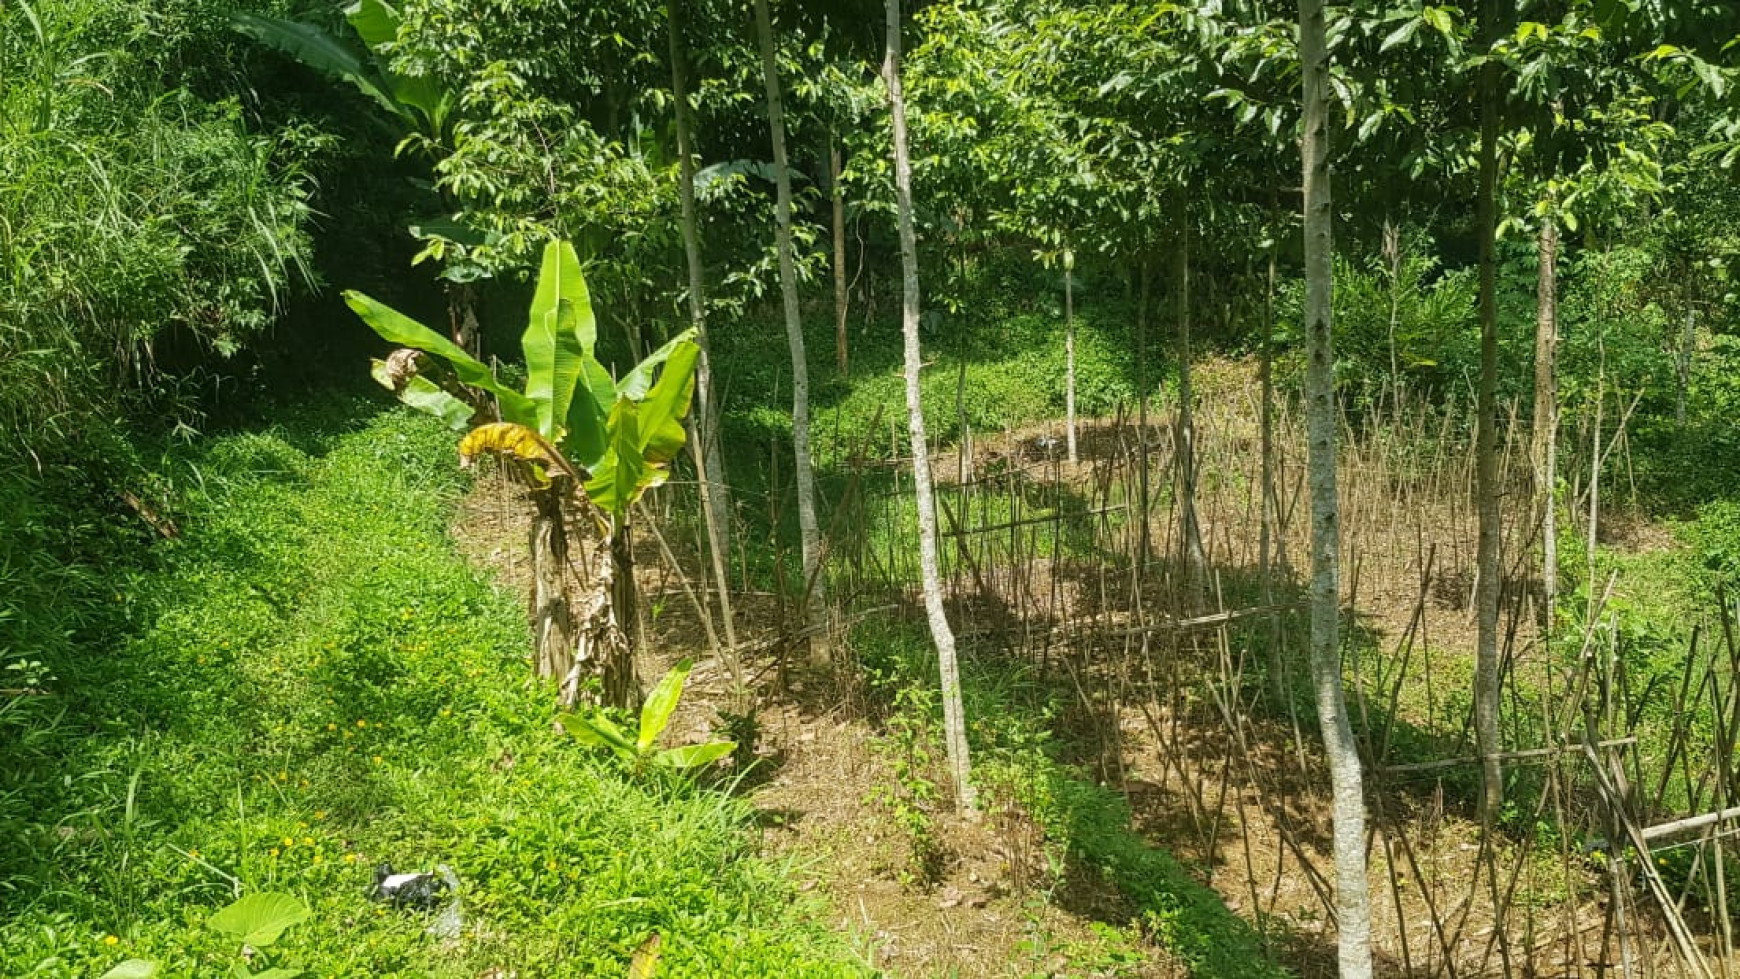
<point x="641" y="751"/>
<point x="581" y="438"/>
<point x="420" y="103"/>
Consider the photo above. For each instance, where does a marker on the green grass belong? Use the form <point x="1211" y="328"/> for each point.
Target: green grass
<point x="311" y="681"/>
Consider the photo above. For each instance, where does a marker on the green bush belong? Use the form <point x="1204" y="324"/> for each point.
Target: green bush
<point x="140" y="220"/>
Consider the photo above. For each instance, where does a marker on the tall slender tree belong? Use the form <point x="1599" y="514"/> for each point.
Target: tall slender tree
<point x="954" y="716"/>
<point x="704" y="447"/>
<point x="1352" y="900"/>
<point x="1486" y="665"/>
<point x="809" y="532"/>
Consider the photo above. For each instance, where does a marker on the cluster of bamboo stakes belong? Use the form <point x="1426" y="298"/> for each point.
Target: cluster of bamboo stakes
<point x="1183" y="673"/>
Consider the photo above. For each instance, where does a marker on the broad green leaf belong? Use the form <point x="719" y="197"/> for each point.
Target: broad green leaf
<point x="662" y="413"/>
<point x="397" y="328"/>
<point x="278" y="973"/>
<point x="659" y="706"/>
<point x="374" y="21"/>
<point x="1400" y="35"/>
<point x="694" y="755"/>
<point x="132" y="969"/>
<point x="598" y="731"/>
<point x="259" y="919"/>
<point x="1439" y="18"/>
<point x="428" y="397"/>
<point x="587" y="440"/>
<point x="559" y="335"/>
<point x="451" y="229"/>
<point x="635" y="385"/>
<point x="319" y="50"/>
<point x="623" y="474"/>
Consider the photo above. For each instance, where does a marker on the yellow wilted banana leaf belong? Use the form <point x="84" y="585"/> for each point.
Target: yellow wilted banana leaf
<point x="515" y="442"/>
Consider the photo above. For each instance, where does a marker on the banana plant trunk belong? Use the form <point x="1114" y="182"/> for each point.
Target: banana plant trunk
<point x="621" y="679"/>
<point x="552" y="612"/>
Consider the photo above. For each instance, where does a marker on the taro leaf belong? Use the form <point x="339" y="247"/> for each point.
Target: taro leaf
<point x="277" y="974"/>
<point x="646" y="958"/>
<point x="132" y="969"/>
<point x="657" y="712"/>
<point x="259" y="919"/>
<point x="694" y="755"/>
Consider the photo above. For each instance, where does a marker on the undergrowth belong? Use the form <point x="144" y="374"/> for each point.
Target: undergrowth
<point x="1020" y="769"/>
<point x="311" y="682"/>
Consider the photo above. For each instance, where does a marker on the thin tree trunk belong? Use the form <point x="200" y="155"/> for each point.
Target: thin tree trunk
<point x="1486" y="666"/>
<point x="842" y="358"/>
<point x="809" y="532"/>
<point x="1184" y="431"/>
<point x="1352" y="900"/>
<point x="1069" y="353"/>
<point x="1266" y="533"/>
<point x="1393" y="259"/>
<point x="1683" y="364"/>
<point x="954" y="717"/>
<point x="704" y="447"/>
<point x="1145" y="543"/>
<point x="1546" y="424"/>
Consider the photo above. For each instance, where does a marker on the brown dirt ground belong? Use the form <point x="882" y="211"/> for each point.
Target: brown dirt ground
<point x="977" y="918"/>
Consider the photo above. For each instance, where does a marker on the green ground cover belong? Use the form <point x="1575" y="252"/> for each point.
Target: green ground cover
<point x="310" y="682"/>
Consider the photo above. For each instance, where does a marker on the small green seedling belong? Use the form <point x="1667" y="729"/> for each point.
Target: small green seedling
<point x="257" y="921"/>
<point x="597" y="729"/>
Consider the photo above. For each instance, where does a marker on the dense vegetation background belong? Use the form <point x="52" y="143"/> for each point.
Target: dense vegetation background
<point x="237" y="648"/>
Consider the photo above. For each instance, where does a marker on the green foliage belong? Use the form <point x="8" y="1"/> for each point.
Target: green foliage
<point x="419" y="102"/>
<point x="1416" y="313"/>
<point x="311" y="681"/>
<point x="596" y="728"/>
<point x="139" y="213"/>
<point x="617" y="437"/>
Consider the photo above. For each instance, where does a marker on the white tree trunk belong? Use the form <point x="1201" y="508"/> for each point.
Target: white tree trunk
<point x="842" y="354"/>
<point x="1184" y="430"/>
<point x="809" y="534"/>
<point x="954" y="718"/>
<point x="1547" y="412"/>
<point x="704" y="447"/>
<point x="1352" y="899"/>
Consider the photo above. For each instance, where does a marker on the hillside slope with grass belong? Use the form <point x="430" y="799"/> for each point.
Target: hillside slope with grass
<point x="311" y="682"/>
